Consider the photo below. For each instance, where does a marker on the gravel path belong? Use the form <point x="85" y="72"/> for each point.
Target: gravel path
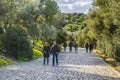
<point x="72" y="66"/>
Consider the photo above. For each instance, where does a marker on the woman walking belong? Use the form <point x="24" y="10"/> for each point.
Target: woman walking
<point x="46" y="52"/>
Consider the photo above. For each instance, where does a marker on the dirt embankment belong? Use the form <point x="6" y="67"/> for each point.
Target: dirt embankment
<point x="111" y="61"/>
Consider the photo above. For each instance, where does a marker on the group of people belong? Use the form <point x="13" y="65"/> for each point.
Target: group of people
<point x="71" y="44"/>
<point x="54" y="50"/>
<point x="89" y="47"/>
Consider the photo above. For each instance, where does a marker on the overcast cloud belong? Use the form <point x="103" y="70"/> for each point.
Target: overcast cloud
<point x="74" y="6"/>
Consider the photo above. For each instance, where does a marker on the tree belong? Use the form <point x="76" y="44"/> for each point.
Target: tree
<point x="103" y="25"/>
<point x="16" y="43"/>
<point x="48" y="32"/>
<point x="61" y="36"/>
<point x="18" y="15"/>
<point x="50" y="11"/>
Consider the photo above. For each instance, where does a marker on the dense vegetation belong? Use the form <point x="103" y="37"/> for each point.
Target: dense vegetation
<point x="26" y="24"/>
<point x="104" y="24"/>
<point x="103" y="27"/>
<point x="23" y="23"/>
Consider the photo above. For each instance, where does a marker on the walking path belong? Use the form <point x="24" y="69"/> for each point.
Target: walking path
<point x="72" y="66"/>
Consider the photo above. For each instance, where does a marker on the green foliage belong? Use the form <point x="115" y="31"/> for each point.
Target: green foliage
<point x="74" y="18"/>
<point x="73" y="27"/>
<point x="48" y="32"/>
<point x="1" y="30"/>
<point x="4" y="7"/>
<point x="74" y="21"/>
<point x="36" y="17"/>
<point x="61" y="37"/>
<point x="5" y="62"/>
<point x="80" y="41"/>
<point x="38" y="43"/>
<point x="103" y="26"/>
<point x="16" y="44"/>
<point x="50" y="11"/>
<point x="101" y="3"/>
<point x="59" y="20"/>
<point x="37" y="54"/>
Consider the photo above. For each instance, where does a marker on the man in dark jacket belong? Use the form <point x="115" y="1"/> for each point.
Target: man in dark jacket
<point x="86" y="46"/>
<point x="70" y="45"/>
<point x="55" y="51"/>
<point x="91" y="47"/>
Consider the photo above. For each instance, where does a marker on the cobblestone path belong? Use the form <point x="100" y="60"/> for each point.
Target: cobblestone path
<point x="72" y="66"/>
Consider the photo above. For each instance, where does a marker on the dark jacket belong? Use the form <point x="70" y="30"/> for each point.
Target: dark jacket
<point x="70" y="44"/>
<point x="64" y="44"/>
<point x="91" y="46"/>
<point x="86" y="45"/>
<point x="55" y="49"/>
<point x="76" y="45"/>
<point x="46" y="51"/>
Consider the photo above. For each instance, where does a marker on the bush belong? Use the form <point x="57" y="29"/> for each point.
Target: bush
<point x="16" y="44"/>
<point x="61" y="37"/>
<point x="5" y="62"/>
<point x="37" y="54"/>
<point x="39" y="43"/>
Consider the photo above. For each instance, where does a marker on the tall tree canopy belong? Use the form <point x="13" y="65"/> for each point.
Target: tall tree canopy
<point x="103" y="24"/>
<point x="26" y="21"/>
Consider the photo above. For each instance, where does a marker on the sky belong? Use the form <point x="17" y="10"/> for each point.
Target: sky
<point x="74" y="6"/>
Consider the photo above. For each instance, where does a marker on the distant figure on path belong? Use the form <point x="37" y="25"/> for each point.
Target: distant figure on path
<point x="87" y="47"/>
<point x="46" y="53"/>
<point x="64" y="46"/>
<point x="70" y="45"/>
<point x="91" y="47"/>
<point x="76" y="46"/>
<point x="55" y="51"/>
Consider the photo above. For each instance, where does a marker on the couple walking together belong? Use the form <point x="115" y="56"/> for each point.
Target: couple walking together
<point x="54" y="50"/>
<point x="89" y="47"/>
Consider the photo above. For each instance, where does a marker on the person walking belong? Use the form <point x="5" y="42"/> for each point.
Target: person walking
<point x="76" y="47"/>
<point x="64" y="46"/>
<point x="70" y="45"/>
<point x="91" y="47"/>
<point x="46" y="53"/>
<point x="86" y="46"/>
<point x="55" y="51"/>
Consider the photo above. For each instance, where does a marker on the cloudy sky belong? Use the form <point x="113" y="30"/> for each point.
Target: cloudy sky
<point x="73" y="6"/>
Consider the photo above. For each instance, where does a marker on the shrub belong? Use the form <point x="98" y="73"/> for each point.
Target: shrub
<point x="5" y="62"/>
<point x="16" y="44"/>
<point x="39" y="43"/>
<point x="37" y="54"/>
